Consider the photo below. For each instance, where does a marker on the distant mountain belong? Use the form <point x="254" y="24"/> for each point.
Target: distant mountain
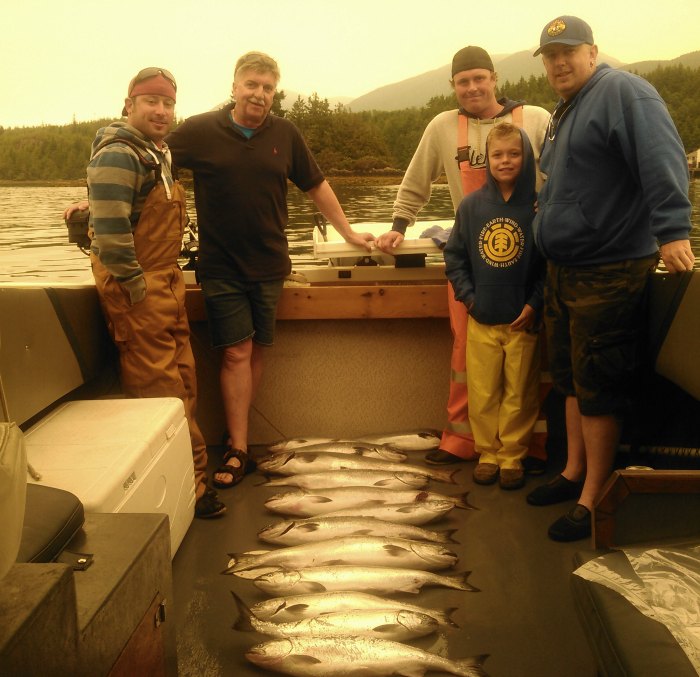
<point x="690" y="60"/>
<point x="418" y="90"/>
<point x="415" y="91"/>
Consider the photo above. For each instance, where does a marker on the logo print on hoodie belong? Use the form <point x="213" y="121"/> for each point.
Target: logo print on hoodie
<point x="501" y="243"/>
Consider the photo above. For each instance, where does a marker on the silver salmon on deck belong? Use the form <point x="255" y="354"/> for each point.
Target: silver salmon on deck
<point x="314" y="529"/>
<point x="295" y="607"/>
<point x="293" y="463"/>
<point x="396" y="624"/>
<point x="349" y="449"/>
<point x="355" y="656"/>
<point x="351" y="478"/>
<point x="361" y="550"/>
<point x="309" y="504"/>
<point x="417" y="513"/>
<point x="376" y="579"/>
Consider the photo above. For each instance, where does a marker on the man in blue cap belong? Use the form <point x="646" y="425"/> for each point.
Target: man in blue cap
<point x="616" y="198"/>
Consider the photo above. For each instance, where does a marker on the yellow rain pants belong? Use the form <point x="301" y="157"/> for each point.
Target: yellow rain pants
<point x="503" y="373"/>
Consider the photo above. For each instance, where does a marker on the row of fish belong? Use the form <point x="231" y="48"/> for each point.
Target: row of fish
<point x="420" y="440"/>
<point x="357" y="531"/>
<point x="304" y="462"/>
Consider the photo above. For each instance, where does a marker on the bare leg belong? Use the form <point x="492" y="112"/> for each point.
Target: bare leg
<point x="575" y="468"/>
<point x="241" y="371"/>
<point x="601" y="435"/>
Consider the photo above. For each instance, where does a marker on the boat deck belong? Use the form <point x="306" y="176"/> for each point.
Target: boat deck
<point x="523" y="616"/>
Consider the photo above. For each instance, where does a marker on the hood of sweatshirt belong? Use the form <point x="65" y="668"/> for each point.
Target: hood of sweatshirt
<point x="524" y="190"/>
<point x="508" y="105"/>
<point x="122" y="131"/>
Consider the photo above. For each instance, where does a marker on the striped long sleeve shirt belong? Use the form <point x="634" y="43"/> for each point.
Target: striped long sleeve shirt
<point x="119" y="182"/>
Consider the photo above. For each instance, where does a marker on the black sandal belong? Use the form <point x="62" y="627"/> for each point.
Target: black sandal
<point x="237" y="473"/>
<point x="209" y="505"/>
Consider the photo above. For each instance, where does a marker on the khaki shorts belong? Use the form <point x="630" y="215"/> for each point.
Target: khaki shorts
<point x="594" y="317"/>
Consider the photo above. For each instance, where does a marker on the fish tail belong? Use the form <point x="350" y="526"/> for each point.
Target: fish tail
<point x="464" y="503"/>
<point x="472" y="667"/>
<point x="452" y="479"/>
<point x="244" y="621"/>
<point x="447" y="617"/>
<point x="238" y="563"/>
<point x="446" y="476"/>
<point x="461" y="582"/>
<point x="446" y="536"/>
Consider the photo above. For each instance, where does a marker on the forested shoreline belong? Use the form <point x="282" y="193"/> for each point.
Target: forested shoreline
<point x="375" y="144"/>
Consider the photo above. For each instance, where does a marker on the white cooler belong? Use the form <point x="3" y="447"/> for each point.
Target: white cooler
<point x="126" y="455"/>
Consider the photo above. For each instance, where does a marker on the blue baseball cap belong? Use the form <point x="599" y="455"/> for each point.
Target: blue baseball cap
<point x="566" y="30"/>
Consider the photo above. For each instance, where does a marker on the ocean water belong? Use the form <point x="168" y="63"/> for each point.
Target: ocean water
<point x="34" y="243"/>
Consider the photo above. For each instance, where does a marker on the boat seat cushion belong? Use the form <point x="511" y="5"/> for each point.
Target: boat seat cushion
<point x="623" y="640"/>
<point x="52" y="517"/>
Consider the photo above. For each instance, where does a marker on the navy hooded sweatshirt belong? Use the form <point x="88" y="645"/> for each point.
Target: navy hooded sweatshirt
<point x="490" y="258"/>
<point x="617" y="175"/>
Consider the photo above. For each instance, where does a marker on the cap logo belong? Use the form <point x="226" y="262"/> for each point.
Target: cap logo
<point x="557" y="27"/>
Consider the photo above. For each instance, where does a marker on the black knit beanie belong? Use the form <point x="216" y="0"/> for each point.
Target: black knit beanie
<point x="471" y="57"/>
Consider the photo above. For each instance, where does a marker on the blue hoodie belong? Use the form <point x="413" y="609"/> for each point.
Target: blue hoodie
<point x="617" y="175"/>
<point x="491" y="259"/>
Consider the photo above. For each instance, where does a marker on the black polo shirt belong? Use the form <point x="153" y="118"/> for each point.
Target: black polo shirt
<point x="240" y="188"/>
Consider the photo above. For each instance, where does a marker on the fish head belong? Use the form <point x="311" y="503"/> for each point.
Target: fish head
<point x="283" y="655"/>
<point x="434" y="553"/>
<point x="271" y="653"/>
<point x="287" y="581"/>
<point x="387" y="454"/>
<point x="276" y="461"/>
<point x="411" y="480"/>
<point x="286" y="578"/>
<point x="285" y="499"/>
<point x="438" y="505"/>
<point x="418" y="623"/>
<point x="272" y="531"/>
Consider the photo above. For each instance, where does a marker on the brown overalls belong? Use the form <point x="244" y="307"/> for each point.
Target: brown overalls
<point x="153" y="336"/>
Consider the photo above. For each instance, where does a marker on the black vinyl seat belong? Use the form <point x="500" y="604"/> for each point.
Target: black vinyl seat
<point x="52" y="517"/>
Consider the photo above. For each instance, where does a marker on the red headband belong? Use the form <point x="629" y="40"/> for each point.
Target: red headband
<point x="158" y="85"/>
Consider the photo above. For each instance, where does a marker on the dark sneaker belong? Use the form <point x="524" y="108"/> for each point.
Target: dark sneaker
<point x="209" y="505"/>
<point x="573" y="526"/>
<point x="557" y="490"/>
<point x="440" y="457"/>
<point x="511" y="478"/>
<point x="534" y="466"/>
<point x="485" y="473"/>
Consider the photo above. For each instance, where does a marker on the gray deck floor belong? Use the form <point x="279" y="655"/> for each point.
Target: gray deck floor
<point x="523" y="616"/>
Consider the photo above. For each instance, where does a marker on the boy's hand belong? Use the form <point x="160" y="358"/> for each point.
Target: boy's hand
<point x="526" y="319"/>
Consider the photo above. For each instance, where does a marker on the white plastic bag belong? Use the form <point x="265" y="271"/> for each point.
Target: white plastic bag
<point x="13" y="493"/>
<point x="665" y="586"/>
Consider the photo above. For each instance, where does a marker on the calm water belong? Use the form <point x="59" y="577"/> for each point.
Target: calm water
<point x="34" y="242"/>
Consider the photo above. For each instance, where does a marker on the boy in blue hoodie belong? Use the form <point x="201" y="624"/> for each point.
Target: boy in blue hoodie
<point x="496" y="271"/>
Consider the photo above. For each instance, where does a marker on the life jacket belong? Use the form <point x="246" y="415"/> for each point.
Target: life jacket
<point x="475" y="177"/>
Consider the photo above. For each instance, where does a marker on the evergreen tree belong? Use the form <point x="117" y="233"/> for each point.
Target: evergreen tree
<point x="341" y="140"/>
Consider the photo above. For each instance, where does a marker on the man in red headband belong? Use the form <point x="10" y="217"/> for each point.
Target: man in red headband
<point x="137" y="217"/>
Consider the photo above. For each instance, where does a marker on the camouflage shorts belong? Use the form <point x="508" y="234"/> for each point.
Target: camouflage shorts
<point x="594" y="316"/>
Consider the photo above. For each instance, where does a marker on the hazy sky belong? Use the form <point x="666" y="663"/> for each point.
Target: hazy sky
<point x="74" y="58"/>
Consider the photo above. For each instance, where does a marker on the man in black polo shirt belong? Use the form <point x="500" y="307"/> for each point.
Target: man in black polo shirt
<point x="241" y="158"/>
